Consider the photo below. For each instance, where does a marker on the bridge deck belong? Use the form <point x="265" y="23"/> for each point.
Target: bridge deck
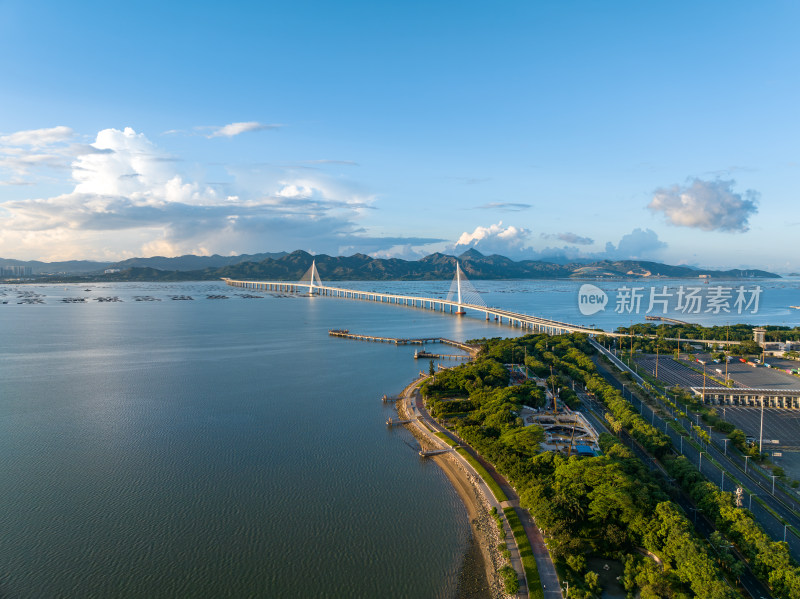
<point x="514" y="319"/>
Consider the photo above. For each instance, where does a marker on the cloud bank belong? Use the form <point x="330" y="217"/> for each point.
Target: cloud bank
<point x="639" y="244"/>
<point x="128" y="198"/>
<point x="514" y="242"/>
<point x="706" y="205"/>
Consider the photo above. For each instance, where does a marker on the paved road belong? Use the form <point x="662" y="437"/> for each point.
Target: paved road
<point x="784" y="504"/>
<point x="547" y="571"/>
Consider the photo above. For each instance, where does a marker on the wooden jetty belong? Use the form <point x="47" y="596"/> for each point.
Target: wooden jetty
<point x="422" y="354"/>
<point x="426" y="453"/>
<point x="396" y="422"/>
<point x="346" y="334"/>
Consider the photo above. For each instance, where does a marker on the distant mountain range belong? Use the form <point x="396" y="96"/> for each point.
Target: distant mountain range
<point x="180" y="263"/>
<point x="359" y="267"/>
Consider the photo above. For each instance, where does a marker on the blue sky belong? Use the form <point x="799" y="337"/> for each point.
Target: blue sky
<point x="533" y="129"/>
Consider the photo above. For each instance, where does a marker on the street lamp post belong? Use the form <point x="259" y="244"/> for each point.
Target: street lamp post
<point x="747" y="457"/>
<point x="774" y="476"/>
<point x="726" y="445"/>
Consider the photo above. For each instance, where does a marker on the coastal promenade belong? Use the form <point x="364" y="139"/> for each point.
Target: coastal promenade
<point x="427" y="426"/>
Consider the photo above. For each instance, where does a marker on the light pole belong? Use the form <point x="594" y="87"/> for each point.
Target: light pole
<point x="656" y="358"/>
<point x="726" y="445"/>
<point x="700" y="463"/>
<point x="747" y="457"/>
<point x="774" y="476"/>
<point x="704" y="383"/>
<point x="761" y="432"/>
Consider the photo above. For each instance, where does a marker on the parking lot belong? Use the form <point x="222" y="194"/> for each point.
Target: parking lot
<point x="761" y="377"/>
<point x="743" y="375"/>
<point x="779" y="425"/>
<point x="671" y="372"/>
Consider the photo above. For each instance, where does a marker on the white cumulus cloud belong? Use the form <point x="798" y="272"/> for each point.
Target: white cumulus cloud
<point x="706" y="205"/>
<point x="494" y="239"/>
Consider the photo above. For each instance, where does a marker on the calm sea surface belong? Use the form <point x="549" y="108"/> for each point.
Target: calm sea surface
<point x="230" y="447"/>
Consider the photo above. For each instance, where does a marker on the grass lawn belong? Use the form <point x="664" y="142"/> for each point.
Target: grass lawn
<point x="484" y="474"/>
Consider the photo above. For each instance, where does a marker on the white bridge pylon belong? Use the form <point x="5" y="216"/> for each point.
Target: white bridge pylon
<point x="311" y="278"/>
<point x="463" y="292"/>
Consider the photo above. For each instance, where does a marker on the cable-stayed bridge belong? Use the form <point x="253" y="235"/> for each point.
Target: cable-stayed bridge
<point x="461" y="297"/>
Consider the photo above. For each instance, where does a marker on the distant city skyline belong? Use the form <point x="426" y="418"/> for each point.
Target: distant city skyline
<point x="532" y="130"/>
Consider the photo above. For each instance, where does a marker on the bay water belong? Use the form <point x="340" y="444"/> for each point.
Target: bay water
<point x="230" y="447"/>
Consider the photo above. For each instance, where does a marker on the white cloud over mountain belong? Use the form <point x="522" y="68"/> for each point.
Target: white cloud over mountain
<point x="639" y="244"/>
<point x="514" y="242"/>
<point x="494" y="239"/>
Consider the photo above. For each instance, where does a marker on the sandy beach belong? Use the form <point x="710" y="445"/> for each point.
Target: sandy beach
<point x="478" y="578"/>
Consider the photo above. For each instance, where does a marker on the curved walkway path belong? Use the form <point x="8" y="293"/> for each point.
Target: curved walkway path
<point x="544" y="563"/>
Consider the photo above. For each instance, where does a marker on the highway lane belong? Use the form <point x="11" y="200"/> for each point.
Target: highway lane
<point x="751" y="483"/>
